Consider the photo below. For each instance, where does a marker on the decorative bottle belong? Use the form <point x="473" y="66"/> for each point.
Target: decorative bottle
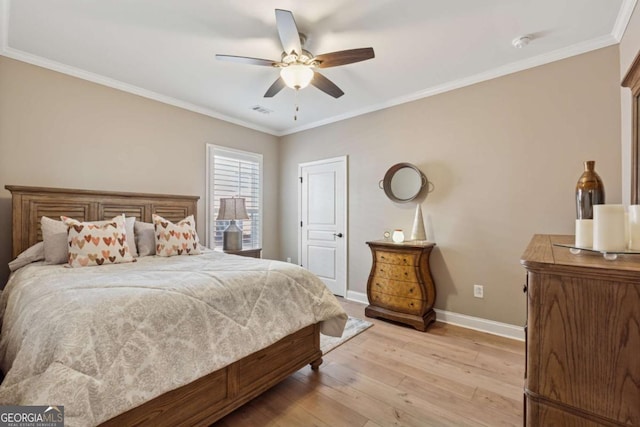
<point x="589" y="191"/>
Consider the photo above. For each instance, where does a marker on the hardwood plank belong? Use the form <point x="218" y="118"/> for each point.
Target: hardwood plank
<point x="383" y="370"/>
<point x="352" y="359"/>
<point x="393" y="375"/>
<point x="333" y="412"/>
<point x="429" y="412"/>
<point x="461" y="372"/>
<point x="381" y="410"/>
<point x="471" y="411"/>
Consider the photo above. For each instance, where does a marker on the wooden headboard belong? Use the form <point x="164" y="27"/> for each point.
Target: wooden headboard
<point x="29" y="204"/>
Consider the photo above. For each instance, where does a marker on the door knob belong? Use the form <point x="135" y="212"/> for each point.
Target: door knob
<point x="337" y="234"/>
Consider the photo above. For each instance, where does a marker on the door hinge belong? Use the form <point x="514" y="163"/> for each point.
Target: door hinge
<point x="300" y="223"/>
<point x="300" y="179"/>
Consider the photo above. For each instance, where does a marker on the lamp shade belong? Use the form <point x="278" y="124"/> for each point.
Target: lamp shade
<point x="231" y="209"/>
<point x="296" y="76"/>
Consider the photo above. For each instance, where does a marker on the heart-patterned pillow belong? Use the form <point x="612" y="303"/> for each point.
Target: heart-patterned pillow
<point x="97" y="243"/>
<point x="176" y="239"/>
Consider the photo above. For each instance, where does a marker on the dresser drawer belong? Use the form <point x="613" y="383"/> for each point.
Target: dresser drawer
<point x="396" y="303"/>
<point x="395" y="258"/>
<point x="395" y="272"/>
<point x="396" y="288"/>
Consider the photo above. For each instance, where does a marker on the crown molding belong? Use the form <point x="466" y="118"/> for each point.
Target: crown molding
<point x="19" y="55"/>
<point x="557" y="55"/>
<point x="626" y="10"/>
<point x="116" y="84"/>
<point x="624" y="16"/>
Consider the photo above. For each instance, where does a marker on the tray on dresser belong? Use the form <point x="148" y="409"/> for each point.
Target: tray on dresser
<point x="608" y="255"/>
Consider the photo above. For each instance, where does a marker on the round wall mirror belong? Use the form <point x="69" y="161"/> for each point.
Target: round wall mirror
<point x="403" y="182"/>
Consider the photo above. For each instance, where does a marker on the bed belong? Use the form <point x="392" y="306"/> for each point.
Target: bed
<point x="207" y="397"/>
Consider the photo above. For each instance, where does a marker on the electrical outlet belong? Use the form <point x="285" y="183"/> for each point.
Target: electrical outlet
<point x="478" y="291"/>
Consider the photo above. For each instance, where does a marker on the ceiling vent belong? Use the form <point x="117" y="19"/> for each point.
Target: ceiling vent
<point x="261" y="109"/>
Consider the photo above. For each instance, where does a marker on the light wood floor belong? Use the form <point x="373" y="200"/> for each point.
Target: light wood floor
<point x="391" y="375"/>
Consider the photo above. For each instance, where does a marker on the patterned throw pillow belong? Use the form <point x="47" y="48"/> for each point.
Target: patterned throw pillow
<point x="176" y="239"/>
<point x="97" y="243"/>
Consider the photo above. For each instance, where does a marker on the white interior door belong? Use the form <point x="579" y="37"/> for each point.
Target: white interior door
<point x="323" y="221"/>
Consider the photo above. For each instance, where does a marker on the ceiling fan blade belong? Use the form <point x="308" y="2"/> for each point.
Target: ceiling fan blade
<point x="246" y="60"/>
<point x="276" y="87"/>
<point x="288" y="31"/>
<point x="326" y="85"/>
<point x="344" y="57"/>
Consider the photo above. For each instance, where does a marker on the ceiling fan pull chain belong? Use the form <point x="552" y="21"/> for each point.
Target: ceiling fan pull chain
<point x="295" y="115"/>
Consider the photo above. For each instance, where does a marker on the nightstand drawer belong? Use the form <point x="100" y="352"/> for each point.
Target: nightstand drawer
<point x="396" y="288"/>
<point x="396" y="272"/>
<point x="395" y="258"/>
<point x="395" y="303"/>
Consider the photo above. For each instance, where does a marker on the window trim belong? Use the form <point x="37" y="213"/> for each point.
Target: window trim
<point x="211" y="150"/>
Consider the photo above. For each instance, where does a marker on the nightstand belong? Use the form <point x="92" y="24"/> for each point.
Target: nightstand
<point x="400" y="286"/>
<point x="249" y="252"/>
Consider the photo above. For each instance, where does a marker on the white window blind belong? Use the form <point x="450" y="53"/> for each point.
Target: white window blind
<point x="234" y="173"/>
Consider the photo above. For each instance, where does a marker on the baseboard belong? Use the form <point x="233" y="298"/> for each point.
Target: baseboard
<point x="476" y="323"/>
<point x="479" y="324"/>
<point x="357" y="297"/>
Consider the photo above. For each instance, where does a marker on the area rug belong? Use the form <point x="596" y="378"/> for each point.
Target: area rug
<point x="353" y="327"/>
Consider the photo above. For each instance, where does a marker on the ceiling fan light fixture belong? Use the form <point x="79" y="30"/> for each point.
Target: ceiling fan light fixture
<point x="296" y="76"/>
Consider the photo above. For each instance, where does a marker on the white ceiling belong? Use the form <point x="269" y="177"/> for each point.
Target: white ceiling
<point x="165" y="49"/>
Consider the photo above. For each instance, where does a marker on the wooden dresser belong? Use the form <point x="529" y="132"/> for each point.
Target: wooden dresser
<point x="400" y="285"/>
<point x="583" y="337"/>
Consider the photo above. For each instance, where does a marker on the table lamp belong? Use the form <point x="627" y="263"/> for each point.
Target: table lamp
<point x="232" y="209"/>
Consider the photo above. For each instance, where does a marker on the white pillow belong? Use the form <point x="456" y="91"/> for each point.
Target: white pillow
<point x="130" y="222"/>
<point x="145" y="238"/>
<point x="56" y="246"/>
<point x="54" y="236"/>
<point x="32" y="254"/>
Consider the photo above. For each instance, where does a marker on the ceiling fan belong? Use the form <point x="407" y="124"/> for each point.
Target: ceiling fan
<point x="297" y="65"/>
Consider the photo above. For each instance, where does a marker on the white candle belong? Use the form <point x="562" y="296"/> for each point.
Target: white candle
<point x="634" y="227"/>
<point x="584" y="233"/>
<point x="397" y="236"/>
<point x="609" y="228"/>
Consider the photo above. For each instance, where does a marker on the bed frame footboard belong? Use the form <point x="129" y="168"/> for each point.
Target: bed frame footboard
<point x="210" y="398"/>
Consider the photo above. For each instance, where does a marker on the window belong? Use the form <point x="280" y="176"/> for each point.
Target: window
<point x="234" y="173"/>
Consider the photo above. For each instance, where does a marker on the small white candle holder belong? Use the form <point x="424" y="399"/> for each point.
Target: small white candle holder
<point x="398" y="236"/>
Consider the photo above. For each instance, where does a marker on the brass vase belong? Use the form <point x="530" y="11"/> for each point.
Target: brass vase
<point x="589" y="191"/>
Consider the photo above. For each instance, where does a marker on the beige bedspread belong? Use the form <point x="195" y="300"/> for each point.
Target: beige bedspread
<point x="102" y="340"/>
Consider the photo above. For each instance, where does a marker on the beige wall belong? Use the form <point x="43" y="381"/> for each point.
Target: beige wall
<point x="60" y="131"/>
<point x="629" y="47"/>
<point x="504" y="156"/>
